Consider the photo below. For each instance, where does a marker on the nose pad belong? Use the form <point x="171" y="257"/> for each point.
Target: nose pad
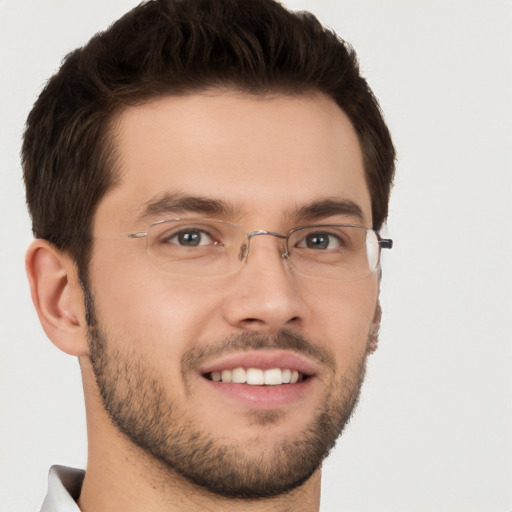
<point x="244" y="251"/>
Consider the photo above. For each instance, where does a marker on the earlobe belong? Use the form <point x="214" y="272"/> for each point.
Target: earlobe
<point x="57" y="296"/>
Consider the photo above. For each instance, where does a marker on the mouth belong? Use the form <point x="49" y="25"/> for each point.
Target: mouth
<point x="261" y="379"/>
<point x="257" y="376"/>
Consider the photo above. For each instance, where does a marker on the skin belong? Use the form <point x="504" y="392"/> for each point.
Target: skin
<point x="283" y="152"/>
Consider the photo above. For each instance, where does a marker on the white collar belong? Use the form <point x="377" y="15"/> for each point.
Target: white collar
<point x="64" y="486"/>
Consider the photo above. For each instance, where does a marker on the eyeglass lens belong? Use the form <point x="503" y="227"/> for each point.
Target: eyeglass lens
<point x="205" y="247"/>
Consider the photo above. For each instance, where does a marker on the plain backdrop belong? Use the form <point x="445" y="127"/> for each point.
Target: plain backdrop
<point x="433" y="430"/>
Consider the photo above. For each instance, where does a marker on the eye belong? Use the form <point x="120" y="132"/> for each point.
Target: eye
<point x="190" y="238"/>
<point x="320" y="241"/>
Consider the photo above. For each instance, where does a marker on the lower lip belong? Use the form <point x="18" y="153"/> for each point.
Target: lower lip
<point x="262" y="397"/>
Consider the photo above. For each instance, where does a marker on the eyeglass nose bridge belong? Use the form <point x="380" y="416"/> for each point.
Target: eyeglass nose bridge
<point x="246" y="247"/>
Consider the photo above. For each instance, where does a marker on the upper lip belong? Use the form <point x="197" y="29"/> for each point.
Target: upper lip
<point x="264" y="359"/>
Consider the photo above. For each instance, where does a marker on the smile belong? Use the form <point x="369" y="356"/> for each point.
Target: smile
<point x="257" y="376"/>
<point x="261" y="379"/>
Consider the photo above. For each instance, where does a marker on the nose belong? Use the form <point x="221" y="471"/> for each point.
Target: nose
<point x="264" y="295"/>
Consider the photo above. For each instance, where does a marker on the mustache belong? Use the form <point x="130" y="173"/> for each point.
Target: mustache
<point x="246" y="341"/>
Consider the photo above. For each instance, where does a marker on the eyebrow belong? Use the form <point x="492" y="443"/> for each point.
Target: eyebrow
<point x="169" y="203"/>
<point x="178" y="203"/>
<point x="328" y="207"/>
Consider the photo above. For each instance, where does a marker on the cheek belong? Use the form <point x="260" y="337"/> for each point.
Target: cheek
<point x="342" y="315"/>
<point x="155" y="320"/>
<point x="149" y="309"/>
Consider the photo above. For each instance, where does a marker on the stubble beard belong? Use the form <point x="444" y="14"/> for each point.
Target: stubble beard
<point x="139" y="405"/>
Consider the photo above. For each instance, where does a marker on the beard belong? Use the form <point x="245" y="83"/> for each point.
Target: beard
<point x="142" y="408"/>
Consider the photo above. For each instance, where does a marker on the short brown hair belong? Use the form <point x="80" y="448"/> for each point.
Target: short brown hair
<point x="166" y="47"/>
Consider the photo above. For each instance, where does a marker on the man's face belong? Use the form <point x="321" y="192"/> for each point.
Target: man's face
<point x="158" y="339"/>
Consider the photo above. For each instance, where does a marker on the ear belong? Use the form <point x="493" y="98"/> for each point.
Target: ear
<point x="57" y="296"/>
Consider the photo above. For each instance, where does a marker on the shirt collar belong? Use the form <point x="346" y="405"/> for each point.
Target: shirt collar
<point x="64" y="486"/>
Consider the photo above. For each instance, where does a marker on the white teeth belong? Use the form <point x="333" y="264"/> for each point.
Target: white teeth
<point x="273" y="377"/>
<point x="257" y="377"/>
<point x="239" y="376"/>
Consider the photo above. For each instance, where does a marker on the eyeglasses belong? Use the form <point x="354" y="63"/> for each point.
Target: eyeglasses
<point x="210" y="247"/>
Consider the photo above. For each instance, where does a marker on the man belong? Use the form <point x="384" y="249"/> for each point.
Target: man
<point x="206" y="181"/>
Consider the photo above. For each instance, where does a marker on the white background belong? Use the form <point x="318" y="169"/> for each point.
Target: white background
<point x="433" y="431"/>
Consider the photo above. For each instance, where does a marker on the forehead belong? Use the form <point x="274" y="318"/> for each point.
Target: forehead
<point x="261" y="156"/>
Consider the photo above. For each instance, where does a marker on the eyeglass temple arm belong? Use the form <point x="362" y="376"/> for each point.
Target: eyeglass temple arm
<point x="386" y="243"/>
